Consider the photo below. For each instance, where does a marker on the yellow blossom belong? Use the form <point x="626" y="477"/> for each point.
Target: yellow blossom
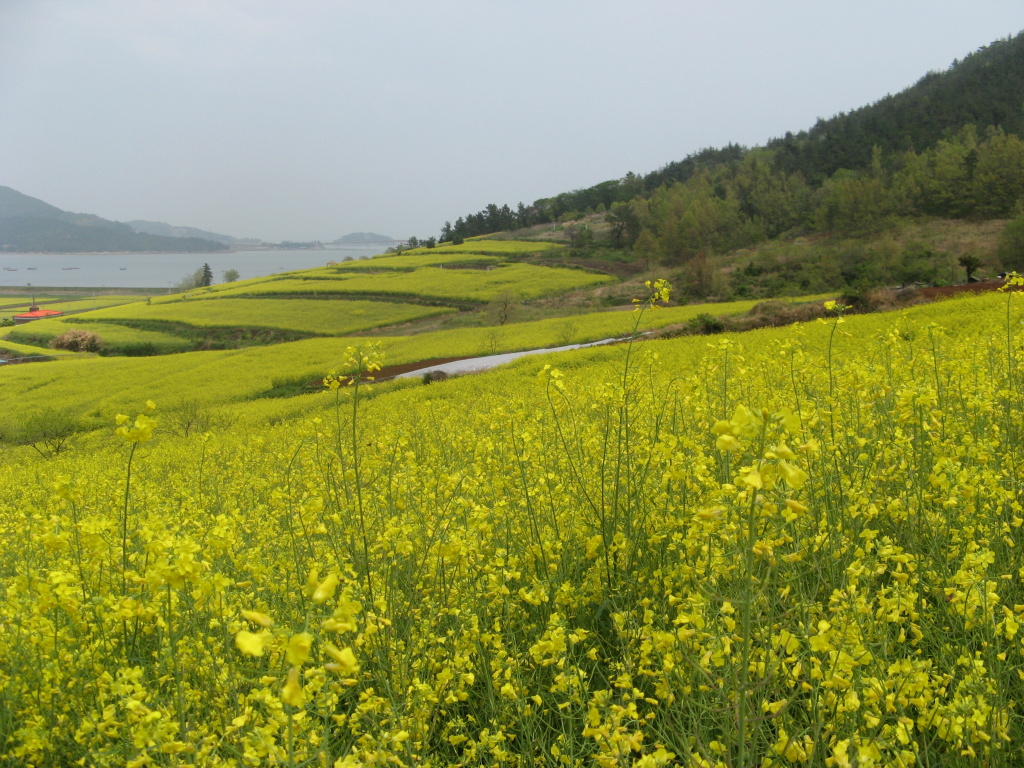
<point x="325" y="589"/>
<point x="298" y="648"/>
<point x="292" y="692"/>
<point x="258" y="618"/>
<point x="252" y="643"/>
<point x="344" y="658"/>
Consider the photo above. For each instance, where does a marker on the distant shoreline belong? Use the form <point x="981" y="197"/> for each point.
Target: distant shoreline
<point x="229" y="249"/>
<point x="161" y="270"/>
<point x="58" y="290"/>
<point x="116" y="253"/>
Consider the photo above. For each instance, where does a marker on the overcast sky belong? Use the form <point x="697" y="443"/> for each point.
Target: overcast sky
<point x="310" y="119"/>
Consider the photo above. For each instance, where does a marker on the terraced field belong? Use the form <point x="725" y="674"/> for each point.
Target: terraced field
<point x="495" y="247"/>
<point x="90" y="303"/>
<point x="118" y="337"/>
<point x="432" y="283"/>
<point x="409" y="261"/>
<point x="328" y="318"/>
<point x="19" y="301"/>
<point x="231" y="376"/>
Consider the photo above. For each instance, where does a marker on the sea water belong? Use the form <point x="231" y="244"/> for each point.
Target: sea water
<point x="161" y="271"/>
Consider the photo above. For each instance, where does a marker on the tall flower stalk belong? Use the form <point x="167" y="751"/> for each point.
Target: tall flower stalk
<point x="133" y="434"/>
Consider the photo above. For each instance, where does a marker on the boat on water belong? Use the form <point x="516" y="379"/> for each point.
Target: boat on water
<point x="10" y="269"/>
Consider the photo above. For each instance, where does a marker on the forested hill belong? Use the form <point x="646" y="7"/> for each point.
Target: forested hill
<point x="985" y="90"/>
<point x="168" y="230"/>
<point x="32" y="226"/>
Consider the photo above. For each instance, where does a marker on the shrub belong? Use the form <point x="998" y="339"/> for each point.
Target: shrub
<point x="1011" y="245"/>
<point x="192" y="416"/>
<point x="707" y="324"/>
<point x="48" y="431"/>
<point x="431" y="376"/>
<point x="77" y="340"/>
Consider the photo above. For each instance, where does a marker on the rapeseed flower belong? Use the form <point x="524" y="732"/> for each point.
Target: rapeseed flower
<point x="252" y="643"/>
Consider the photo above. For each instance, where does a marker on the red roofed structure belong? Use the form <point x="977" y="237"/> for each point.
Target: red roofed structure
<point x="36" y="314"/>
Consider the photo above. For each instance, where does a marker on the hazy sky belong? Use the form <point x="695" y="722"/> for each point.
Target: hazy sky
<point x="309" y="119"/>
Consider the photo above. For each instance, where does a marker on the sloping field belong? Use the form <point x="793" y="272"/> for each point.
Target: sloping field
<point x="41" y="332"/>
<point x="524" y="280"/>
<point x="24" y="350"/>
<point x="795" y="546"/>
<point x="113" y="384"/>
<point x="219" y="288"/>
<point x="98" y="302"/>
<point x="320" y="317"/>
<point x="19" y="303"/>
<point x="494" y="247"/>
<point x="409" y="261"/>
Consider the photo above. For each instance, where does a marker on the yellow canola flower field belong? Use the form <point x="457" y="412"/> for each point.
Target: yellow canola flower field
<point x="102" y="387"/>
<point x="790" y="547"/>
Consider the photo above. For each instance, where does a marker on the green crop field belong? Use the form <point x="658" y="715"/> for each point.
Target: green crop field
<point x="24" y="350"/>
<point x="494" y="247"/>
<point x="409" y="261"/>
<point x="20" y="302"/>
<point x="85" y="304"/>
<point x="116" y="338"/>
<point x="525" y="280"/>
<point x="320" y="317"/>
<point x="219" y="288"/>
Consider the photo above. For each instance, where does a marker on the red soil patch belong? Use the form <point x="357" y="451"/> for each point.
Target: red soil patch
<point x="945" y="291"/>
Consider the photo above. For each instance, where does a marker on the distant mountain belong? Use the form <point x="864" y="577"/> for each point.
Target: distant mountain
<point x="364" y="237"/>
<point x="33" y="226"/>
<point x="13" y="204"/>
<point x="169" y="230"/>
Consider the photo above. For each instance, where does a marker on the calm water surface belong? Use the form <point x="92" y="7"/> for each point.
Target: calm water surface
<point x="158" y="270"/>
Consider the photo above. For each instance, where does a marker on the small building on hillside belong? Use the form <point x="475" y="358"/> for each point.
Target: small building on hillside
<point x="35" y="313"/>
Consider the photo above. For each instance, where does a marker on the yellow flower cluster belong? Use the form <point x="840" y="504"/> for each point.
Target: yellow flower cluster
<point x="141" y="430"/>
